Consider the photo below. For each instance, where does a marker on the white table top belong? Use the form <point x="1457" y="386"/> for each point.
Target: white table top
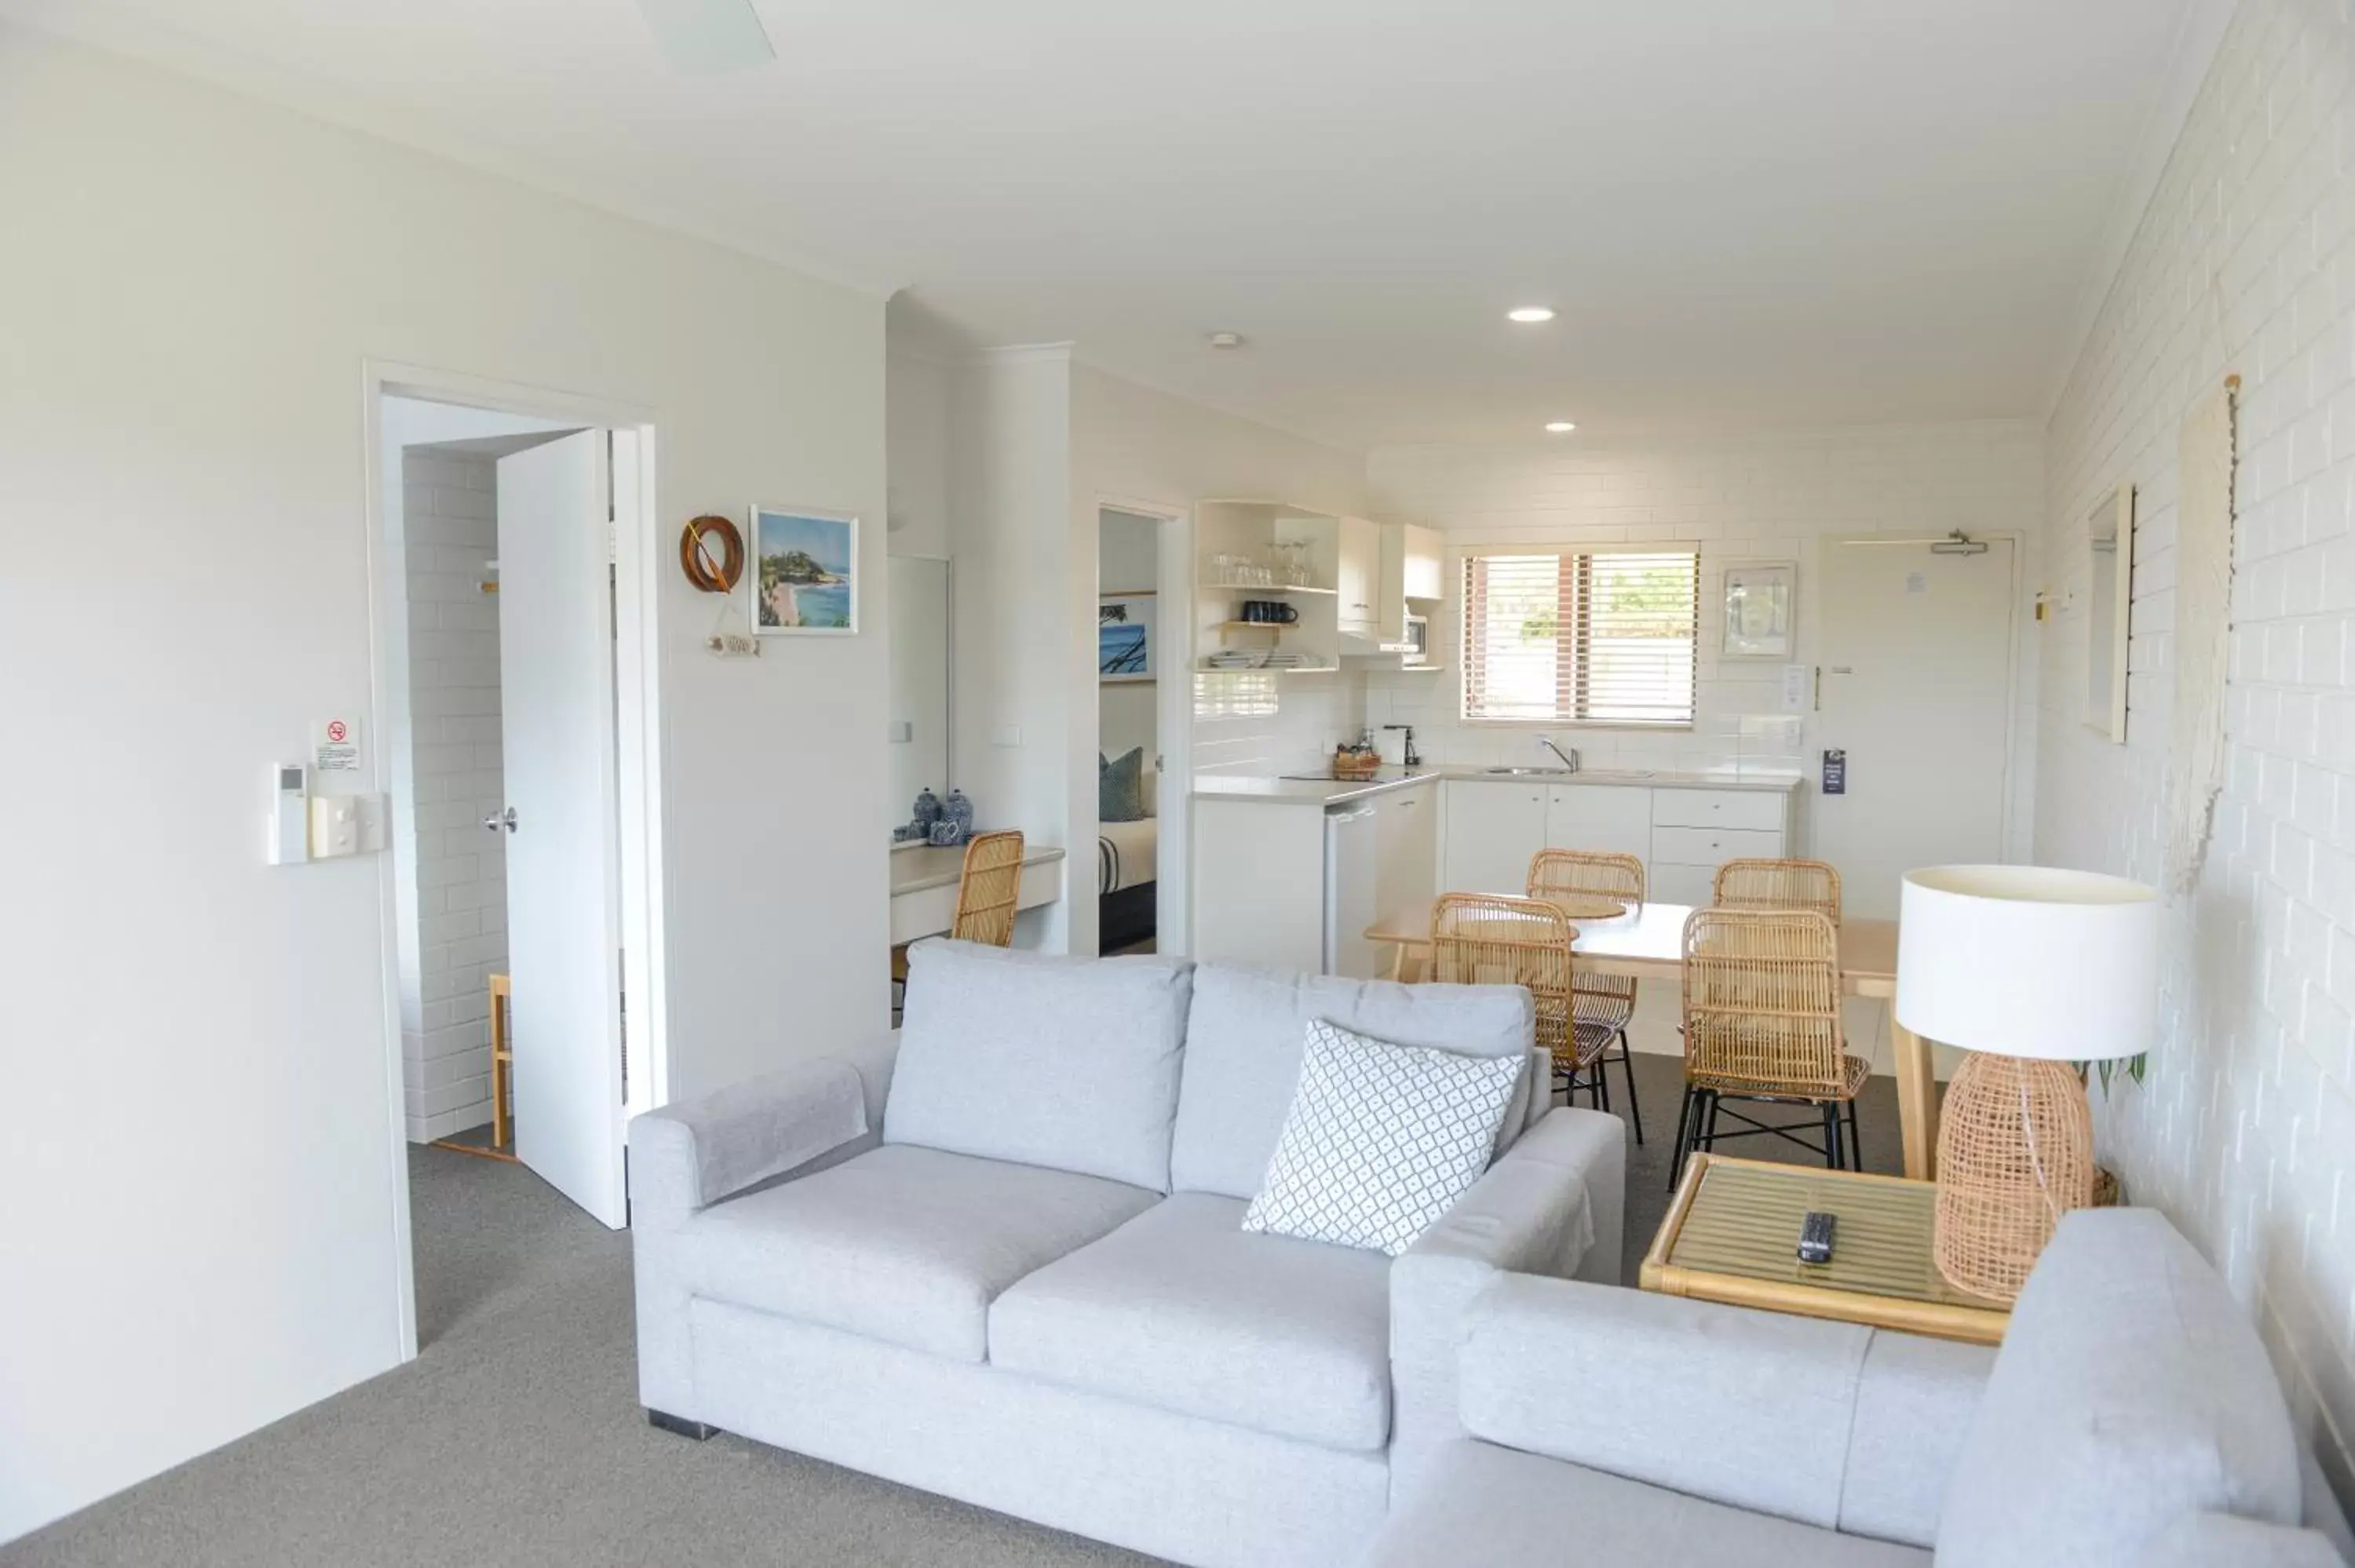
<point x="924" y="866"/>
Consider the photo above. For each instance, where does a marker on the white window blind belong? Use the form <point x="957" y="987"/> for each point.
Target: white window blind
<point x="1592" y="637"/>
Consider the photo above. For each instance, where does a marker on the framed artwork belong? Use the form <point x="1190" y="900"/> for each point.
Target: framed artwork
<point x="1761" y="609"/>
<point x="1125" y="638"/>
<point x="806" y="575"/>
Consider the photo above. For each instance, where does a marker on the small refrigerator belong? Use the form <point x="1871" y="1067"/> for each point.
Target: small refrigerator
<point x="1352" y="853"/>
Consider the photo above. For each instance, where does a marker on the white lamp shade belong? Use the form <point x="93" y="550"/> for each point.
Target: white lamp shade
<point x="2026" y="960"/>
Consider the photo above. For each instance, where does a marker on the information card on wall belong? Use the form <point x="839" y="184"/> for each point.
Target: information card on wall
<point x="1835" y="772"/>
<point x="335" y="746"/>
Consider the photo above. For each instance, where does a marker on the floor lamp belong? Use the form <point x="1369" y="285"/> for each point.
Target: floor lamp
<point x="2030" y="970"/>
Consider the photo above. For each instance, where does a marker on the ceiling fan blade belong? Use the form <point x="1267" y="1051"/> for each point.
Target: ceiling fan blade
<point x="702" y="38"/>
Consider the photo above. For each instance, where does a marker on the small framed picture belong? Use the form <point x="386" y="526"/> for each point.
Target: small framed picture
<point x="1125" y="638"/>
<point x="805" y="572"/>
<point x="1760" y="609"/>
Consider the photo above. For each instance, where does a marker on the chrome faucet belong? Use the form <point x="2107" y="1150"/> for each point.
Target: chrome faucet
<point x="1569" y="758"/>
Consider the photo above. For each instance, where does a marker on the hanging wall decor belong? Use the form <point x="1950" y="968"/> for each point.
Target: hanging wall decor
<point x="805" y="572"/>
<point x="1761" y="609"/>
<point x="711" y="553"/>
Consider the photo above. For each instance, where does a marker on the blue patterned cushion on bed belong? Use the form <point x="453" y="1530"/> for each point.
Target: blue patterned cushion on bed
<point x="1120" y="787"/>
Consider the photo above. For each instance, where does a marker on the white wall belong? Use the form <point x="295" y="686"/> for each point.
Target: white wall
<point x="1757" y="496"/>
<point x="1016" y="565"/>
<point x="450" y="532"/>
<point x="2244" y="1132"/>
<point x="917" y="420"/>
<point x="199" y="1233"/>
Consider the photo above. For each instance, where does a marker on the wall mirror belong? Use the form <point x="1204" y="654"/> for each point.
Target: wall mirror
<point x="2109" y="596"/>
<point x="920" y="653"/>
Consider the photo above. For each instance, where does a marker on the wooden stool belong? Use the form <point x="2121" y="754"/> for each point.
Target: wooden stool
<point x="502" y="1061"/>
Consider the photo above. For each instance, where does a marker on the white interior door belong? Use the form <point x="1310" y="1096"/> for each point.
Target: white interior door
<point x="556" y="672"/>
<point x="1916" y="690"/>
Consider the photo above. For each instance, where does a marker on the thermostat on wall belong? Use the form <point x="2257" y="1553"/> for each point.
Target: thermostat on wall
<point x="290" y="814"/>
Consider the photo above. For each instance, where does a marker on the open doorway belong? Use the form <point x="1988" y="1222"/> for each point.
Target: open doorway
<point x="514" y="703"/>
<point x="1130" y="652"/>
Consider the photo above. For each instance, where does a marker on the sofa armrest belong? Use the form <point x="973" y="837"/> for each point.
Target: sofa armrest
<point x="1834" y="1425"/>
<point x="696" y="1152"/>
<point x="1552" y="1205"/>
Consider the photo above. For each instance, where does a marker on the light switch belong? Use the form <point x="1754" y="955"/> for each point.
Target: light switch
<point x="902" y="731"/>
<point x="376" y="825"/>
<point x="1006" y="735"/>
<point x="335" y="826"/>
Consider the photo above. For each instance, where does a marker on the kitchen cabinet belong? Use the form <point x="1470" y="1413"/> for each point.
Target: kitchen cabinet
<point x="1407" y="878"/>
<point x="1610" y="819"/>
<point x="1493" y="828"/>
<point x="1358" y="550"/>
<point x="1681" y="835"/>
<point x="1409" y="581"/>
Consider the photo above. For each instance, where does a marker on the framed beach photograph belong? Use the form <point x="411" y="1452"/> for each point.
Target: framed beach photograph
<point x="806" y="579"/>
<point x="1760" y="609"/>
<point x="1125" y="638"/>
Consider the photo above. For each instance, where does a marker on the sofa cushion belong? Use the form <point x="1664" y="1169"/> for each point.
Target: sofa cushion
<point x="901" y="1243"/>
<point x="1066" y="1062"/>
<point x="2131" y="1389"/>
<point x="1500" y="1508"/>
<point x="1181" y="1309"/>
<point x="1381" y="1141"/>
<point x="1244" y="1033"/>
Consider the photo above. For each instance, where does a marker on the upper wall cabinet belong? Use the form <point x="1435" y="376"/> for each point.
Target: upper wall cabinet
<point x="1358" y="553"/>
<point x="1407" y="582"/>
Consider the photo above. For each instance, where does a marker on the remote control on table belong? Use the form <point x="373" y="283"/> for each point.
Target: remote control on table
<point x="1815" y="1237"/>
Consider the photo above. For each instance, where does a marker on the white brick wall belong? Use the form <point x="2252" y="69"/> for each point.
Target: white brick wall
<point x="2245" y="1130"/>
<point x="450" y="515"/>
<point x="1763" y="496"/>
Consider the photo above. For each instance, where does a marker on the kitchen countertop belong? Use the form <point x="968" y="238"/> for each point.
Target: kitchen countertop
<point x="1340" y="791"/>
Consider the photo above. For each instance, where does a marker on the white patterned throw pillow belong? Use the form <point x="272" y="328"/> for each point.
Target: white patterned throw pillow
<point x="1380" y="1140"/>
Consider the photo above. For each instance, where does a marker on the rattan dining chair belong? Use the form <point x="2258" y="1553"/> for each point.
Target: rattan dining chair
<point x="1490" y="938"/>
<point x="1762" y="1021"/>
<point x="1779" y="884"/>
<point x="990" y="889"/>
<point x="1599" y="1005"/>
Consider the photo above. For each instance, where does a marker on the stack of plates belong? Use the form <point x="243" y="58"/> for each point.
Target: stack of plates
<point x="1237" y="658"/>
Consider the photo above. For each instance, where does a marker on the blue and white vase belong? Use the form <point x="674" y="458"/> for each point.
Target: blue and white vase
<point x="959" y="810"/>
<point x="928" y="809"/>
<point x="944" y="833"/>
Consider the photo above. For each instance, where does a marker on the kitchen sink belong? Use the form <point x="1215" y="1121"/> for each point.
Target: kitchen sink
<point x="1531" y="772"/>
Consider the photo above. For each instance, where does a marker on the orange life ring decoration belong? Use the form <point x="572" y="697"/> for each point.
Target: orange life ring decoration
<point x="711" y="553"/>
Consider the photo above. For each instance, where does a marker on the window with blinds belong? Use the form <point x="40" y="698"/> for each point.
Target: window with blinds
<point x="1592" y="637"/>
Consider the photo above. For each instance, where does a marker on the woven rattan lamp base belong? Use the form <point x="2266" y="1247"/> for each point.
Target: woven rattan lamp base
<point x="2015" y="1153"/>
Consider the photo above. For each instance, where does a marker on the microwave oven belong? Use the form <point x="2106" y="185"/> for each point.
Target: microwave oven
<point x="1416" y="649"/>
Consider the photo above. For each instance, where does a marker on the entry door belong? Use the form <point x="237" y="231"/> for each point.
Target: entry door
<point x="556" y="673"/>
<point x="1916" y="690"/>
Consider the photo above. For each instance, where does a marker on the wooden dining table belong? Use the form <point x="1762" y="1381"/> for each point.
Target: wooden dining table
<point x="1646" y="942"/>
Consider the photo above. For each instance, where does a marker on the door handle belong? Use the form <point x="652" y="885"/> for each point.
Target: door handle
<point x="497" y="820"/>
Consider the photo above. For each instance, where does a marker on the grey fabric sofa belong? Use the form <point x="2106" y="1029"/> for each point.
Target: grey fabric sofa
<point x="999" y="1255"/>
<point x="2130" y="1420"/>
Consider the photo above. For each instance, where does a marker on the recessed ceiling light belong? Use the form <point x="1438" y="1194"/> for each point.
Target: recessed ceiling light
<point x="1530" y="315"/>
<point x="1559" y="428"/>
<point x="1226" y="340"/>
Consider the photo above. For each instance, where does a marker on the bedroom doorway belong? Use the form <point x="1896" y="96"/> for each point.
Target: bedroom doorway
<point x="1129" y="655"/>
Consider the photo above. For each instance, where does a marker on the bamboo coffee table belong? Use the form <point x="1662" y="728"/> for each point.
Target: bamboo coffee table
<point x="1733" y="1235"/>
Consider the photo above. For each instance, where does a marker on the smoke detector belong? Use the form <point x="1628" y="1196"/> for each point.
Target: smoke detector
<point x="1226" y="340"/>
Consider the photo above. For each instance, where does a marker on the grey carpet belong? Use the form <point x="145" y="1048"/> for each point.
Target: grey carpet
<point x="517" y="1436"/>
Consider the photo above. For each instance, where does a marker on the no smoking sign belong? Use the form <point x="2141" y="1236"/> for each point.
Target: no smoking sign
<point x="335" y="746"/>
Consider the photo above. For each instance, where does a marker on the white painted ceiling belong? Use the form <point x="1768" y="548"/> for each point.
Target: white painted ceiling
<point x="1747" y="211"/>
